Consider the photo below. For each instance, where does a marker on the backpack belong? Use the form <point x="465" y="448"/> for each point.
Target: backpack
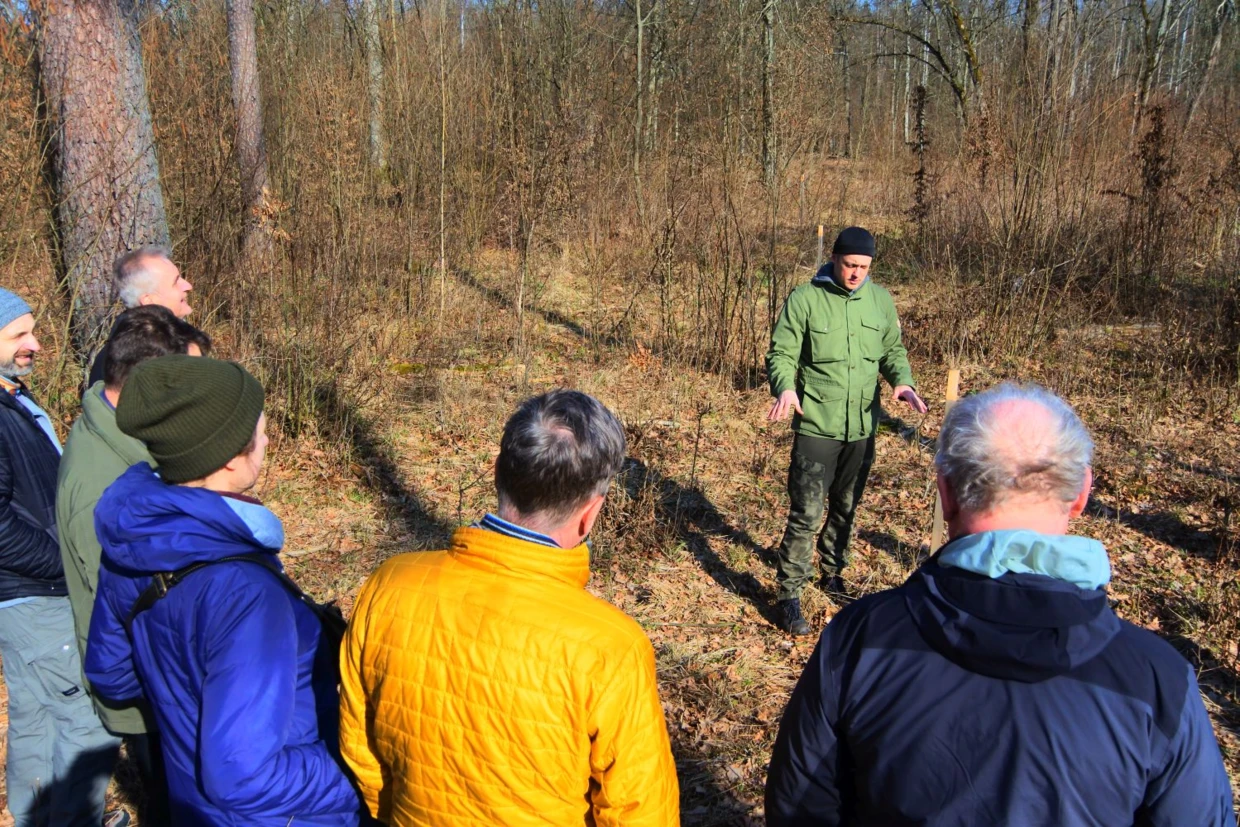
<point x="329" y="614"/>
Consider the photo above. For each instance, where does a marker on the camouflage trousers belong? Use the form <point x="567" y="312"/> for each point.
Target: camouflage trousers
<point x="823" y="474"/>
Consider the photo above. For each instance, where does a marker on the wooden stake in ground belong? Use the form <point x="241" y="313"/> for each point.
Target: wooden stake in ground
<point x="818" y="261"/>
<point x="953" y="393"/>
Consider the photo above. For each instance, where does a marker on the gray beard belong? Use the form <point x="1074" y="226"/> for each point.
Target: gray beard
<point x="12" y="371"/>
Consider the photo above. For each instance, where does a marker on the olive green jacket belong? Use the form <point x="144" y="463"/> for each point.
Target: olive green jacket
<point x="830" y="346"/>
<point x="95" y="455"/>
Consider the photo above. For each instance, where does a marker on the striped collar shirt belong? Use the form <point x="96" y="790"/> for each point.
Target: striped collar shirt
<point x="500" y="526"/>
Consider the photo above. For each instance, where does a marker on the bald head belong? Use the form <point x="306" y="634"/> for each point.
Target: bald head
<point x="1013" y="443"/>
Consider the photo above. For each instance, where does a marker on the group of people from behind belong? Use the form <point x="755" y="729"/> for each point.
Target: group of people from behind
<point x="482" y="684"/>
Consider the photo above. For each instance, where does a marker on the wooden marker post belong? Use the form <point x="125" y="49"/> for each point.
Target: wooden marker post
<point x="818" y="261"/>
<point x="953" y="393"/>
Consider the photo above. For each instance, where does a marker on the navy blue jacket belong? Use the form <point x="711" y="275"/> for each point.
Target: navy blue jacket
<point x="230" y="662"/>
<point x="958" y="699"/>
<point x="30" y="564"/>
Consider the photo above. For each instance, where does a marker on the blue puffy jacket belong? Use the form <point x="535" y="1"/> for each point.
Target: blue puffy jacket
<point x="1019" y="699"/>
<point x="244" y="696"/>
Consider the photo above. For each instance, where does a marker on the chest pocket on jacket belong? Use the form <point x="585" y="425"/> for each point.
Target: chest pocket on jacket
<point x="827" y="344"/>
<point x="872" y="330"/>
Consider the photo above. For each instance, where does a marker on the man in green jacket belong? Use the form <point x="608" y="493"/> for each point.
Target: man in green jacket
<point x="831" y="342"/>
<point x="95" y="455"/>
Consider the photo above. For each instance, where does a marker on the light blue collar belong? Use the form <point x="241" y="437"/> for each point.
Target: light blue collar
<point x="263" y="524"/>
<point x="1077" y="560"/>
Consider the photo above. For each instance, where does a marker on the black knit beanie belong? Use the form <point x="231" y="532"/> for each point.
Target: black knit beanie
<point x="853" y="241"/>
<point x="193" y="414"/>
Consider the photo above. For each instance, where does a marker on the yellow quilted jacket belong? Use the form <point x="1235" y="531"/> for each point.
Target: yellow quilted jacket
<point x="484" y="685"/>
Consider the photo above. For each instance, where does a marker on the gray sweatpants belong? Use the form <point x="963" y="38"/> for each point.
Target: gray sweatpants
<point x="60" y="757"/>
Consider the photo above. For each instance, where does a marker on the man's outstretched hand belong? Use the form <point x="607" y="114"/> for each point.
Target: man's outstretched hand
<point x="905" y="394"/>
<point x="785" y="403"/>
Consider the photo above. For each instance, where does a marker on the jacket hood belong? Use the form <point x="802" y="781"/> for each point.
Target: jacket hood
<point x="147" y="525"/>
<point x="100" y="419"/>
<point x="1015" y="625"/>
<point x="825" y="277"/>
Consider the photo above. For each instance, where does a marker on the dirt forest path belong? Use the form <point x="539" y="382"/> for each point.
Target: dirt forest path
<point x="684" y="543"/>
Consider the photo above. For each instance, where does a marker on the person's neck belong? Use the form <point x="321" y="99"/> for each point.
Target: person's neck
<point x="113" y="396"/>
<point x="564" y="535"/>
<point x="219" y="483"/>
<point x="1043" y="521"/>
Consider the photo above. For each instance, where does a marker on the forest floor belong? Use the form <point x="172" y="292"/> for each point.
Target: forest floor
<point x="685" y="543"/>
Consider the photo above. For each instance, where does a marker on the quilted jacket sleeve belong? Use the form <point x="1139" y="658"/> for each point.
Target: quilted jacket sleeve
<point x="787" y="338"/>
<point x="1191" y="787"/>
<point x="633" y="774"/>
<point x="807" y="776"/>
<point x="27" y="549"/>
<point x="355" y="714"/>
<point x="109" y="664"/>
<point x="249" y="652"/>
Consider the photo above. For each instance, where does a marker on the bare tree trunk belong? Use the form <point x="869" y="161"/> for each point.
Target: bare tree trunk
<point x="638" y="128"/>
<point x="847" y="92"/>
<point x="1222" y="14"/>
<point x="251" y="148"/>
<point x="374" y="83"/>
<point x="908" y="71"/>
<point x="1120" y="47"/>
<point x="107" y="174"/>
<point x="443" y="165"/>
<point x="768" y="93"/>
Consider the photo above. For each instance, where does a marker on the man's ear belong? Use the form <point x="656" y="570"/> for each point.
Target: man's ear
<point x="1082" y="499"/>
<point x="950" y="507"/>
<point x="146" y="299"/>
<point x="588" y="514"/>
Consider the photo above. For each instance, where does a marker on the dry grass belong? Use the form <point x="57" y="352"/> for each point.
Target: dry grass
<point x="390" y="412"/>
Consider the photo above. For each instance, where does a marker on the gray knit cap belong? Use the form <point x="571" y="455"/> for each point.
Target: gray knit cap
<point x="11" y="306"/>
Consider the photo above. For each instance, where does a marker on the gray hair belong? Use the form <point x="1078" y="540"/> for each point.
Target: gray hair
<point x="558" y="450"/>
<point x="985" y="459"/>
<point x="131" y="274"/>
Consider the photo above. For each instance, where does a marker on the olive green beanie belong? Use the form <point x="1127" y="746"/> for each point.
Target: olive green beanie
<point x="193" y="414"/>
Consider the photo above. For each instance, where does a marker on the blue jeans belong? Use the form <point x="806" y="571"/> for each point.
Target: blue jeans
<point x="60" y="757"/>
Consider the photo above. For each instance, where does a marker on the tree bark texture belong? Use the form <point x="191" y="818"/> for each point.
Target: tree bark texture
<point x="251" y="148"/>
<point x="374" y="83"/>
<point x="109" y="198"/>
<point x="768" y="93"/>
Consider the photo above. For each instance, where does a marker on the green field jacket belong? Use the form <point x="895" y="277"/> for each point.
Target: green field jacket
<point x="830" y="346"/>
<point x="96" y="453"/>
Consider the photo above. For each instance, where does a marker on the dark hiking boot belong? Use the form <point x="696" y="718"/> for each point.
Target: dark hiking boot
<point x="835" y="588"/>
<point x="790" y="618"/>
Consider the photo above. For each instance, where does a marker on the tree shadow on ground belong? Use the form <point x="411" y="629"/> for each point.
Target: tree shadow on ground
<point x="720" y="775"/>
<point x="553" y="316"/>
<point x="705" y="800"/>
<point x="1216" y="674"/>
<point x="908" y="555"/>
<point x="687" y="514"/>
<point x="376" y="465"/>
<point x="693" y="356"/>
<point x="1163" y="526"/>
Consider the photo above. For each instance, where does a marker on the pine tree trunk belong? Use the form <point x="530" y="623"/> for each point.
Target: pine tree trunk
<point x="107" y="174"/>
<point x="251" y="148"/>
